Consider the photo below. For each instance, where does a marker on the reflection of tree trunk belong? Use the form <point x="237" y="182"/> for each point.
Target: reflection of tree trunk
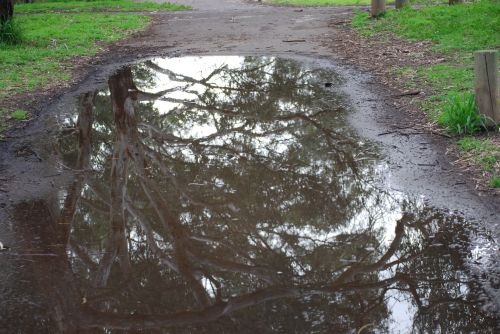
<point x="123" y="96"/>
<point x="84" y="126"/>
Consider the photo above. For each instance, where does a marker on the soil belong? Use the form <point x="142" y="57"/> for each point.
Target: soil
<point x="416" y="154"/>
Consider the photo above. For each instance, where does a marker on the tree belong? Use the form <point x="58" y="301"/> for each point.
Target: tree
<point x="6" y="10"/>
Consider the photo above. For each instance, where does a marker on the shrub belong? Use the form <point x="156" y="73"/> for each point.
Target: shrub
<point x="10" y="32"/>
<point x="460" y="115"/>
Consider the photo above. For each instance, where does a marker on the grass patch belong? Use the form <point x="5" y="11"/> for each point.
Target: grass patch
<point x="86" y="6"/>
<point x="485" y="154"/>
<point x="457" y="31"/>
<point x="321" y="2"/>
<point x="50" y="40"/>
<point x="466" y="27"/>
<point x="333" y="2"/>
<point x="19" y="115"/>
<point x="460" y="115"/>
<point x="495" y="182"/>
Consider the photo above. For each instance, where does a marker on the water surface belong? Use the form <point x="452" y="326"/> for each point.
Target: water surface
<point x="228" y="195"/>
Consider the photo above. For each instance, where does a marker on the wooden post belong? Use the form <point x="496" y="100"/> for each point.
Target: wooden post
<point x="402" y="3"/>
<point x="378" y="8"/>
<point x="486" y="85"/>
<point x="455" y="2"/>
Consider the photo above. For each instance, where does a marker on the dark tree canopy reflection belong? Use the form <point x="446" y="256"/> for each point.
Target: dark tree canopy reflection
<point x="237" y="200"/>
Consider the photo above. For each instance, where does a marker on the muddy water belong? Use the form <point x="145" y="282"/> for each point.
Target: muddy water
<point x="228" y="195"/>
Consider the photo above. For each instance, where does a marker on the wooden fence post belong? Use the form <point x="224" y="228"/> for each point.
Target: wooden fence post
<point x="378" y="7"/>
<point x="486" y="85"/>
<point x="402" y="3"/>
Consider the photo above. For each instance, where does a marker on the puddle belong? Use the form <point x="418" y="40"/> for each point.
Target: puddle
<point x="228" y="194"/>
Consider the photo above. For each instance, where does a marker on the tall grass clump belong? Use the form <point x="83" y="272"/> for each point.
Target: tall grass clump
<point x="460" y="115"/>
<point x="10" y="32"/>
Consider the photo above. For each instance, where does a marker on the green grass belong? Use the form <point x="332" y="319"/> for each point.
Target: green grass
<point x="10" y="32"/>
<point x="19" y="115"/>
<point x="456" y="32"/>
<point x="321" y="2"/>
<point x="495" y="182"/>
<point x="104" y="5"/>
<point x="51" y="40"/>
<point x="333" y="2"/>
<point x="467" y="27"/>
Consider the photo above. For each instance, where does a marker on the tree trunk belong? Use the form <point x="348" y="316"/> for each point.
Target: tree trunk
<point x="6" y="10"/>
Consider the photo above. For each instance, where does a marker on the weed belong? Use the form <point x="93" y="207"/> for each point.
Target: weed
<point x="19" y="114"/>
<point x="460" y="115"/>
<point x="10" y="32"/>
<point x="495" y="182"/>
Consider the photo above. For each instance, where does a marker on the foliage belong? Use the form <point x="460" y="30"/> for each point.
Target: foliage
<point x="84" y="6"/>
<point x="10" y="32"/>
<point x="19" y="114"/>
<point x="460" y="115"/>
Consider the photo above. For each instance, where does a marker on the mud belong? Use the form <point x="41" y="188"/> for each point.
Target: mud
<point x="414" y="163"/>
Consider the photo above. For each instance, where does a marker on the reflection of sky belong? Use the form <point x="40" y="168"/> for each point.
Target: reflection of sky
<point x="379" y="214"/>
<point x="195" y="67"/>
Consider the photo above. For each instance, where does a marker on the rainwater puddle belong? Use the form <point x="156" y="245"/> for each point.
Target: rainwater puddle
<point x="228" y="195"/>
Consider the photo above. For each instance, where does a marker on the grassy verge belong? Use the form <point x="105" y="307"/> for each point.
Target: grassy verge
<point x="104" y="5"/>
<point x="50" y="40"/>
<point x="334" y="2"/>
<point x="456" y="31"/>
<point x="321" y="2"/>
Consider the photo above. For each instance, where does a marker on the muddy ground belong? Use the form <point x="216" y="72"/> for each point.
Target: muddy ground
<point x="416" y="155"/>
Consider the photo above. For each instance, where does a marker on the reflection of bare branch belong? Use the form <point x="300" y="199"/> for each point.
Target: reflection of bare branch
<point x="82" y="253"/>
<point x="146" y="226"/>
<point x="135" y="321"/>
<point x="261" y="272"/>
<point x="350" y="273"/>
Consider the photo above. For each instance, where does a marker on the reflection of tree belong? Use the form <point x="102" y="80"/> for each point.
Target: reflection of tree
<point x="169" y="227"/>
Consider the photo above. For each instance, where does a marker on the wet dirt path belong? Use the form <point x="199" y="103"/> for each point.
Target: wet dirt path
<point x="414" y="165"/>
